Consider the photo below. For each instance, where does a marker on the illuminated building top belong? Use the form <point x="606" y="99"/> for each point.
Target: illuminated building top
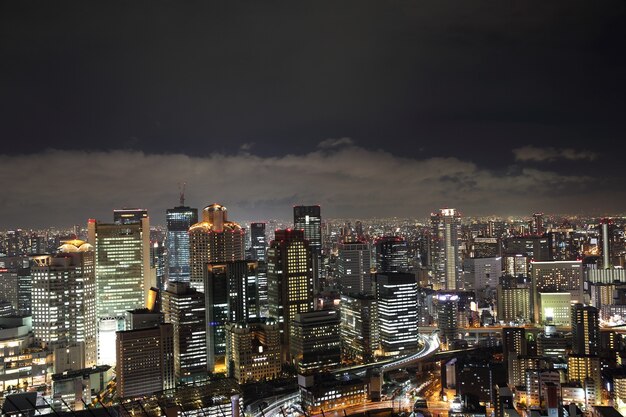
<point x="215" y="219"/>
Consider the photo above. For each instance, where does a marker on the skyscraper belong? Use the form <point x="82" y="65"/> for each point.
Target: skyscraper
<point x="16" y="283"/>
<point x="444" y="252"/>
<point x="64" y="298"/>
<point x="558" y="277"/>
<point x="585" y="330"/>
<point x="289" y="279"/>
<point x="391" y="254"/>
<point x="537" y="248"/>
<point x="145" y="361"/>
<point x="359" y="327"/>
<point x="183" y="307"/>
<point x="513" y="345"/>
<point x="537" y="227"/>
<point x="259" y="242"/>
<point x="309" y="219"/>
<point x="513" y="299"/>
<point x="123" y="277"/>
<point x="447" y="316"/>
<point x="259" y="249"/>
<point x="607" y="230"/>
<point x="354" y="264"/>
<point x="230" y="292"/>
<point x="315" y="343"/>
<point x="129" y="215"/>
<point x="214" y="239"/>
<point x="179" y="220"/>
<point x="397" y="300"/>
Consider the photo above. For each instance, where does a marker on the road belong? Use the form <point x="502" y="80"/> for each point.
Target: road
<point x="430" y="345"/>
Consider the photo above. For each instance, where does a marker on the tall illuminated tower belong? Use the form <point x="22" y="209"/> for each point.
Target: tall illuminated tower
<point x="179" y="220"/>
<point x="447" y="314"/>
<point x="445" y="255"/>
<point x="289" y="279"/>
<point x="183" y="307"/>
<point x="123" y="276"/>
<point x="259" y="243"/>
<point x="214" y="239"/>
<point x="230" y="293"/>
<point x="397" y="299"/>
<point x="585" y="330"/>
<point x="391" y="254"/>
<point x="536" y="226"/>
<point x="64" y="298"/>
<point x="259" y="249"/>
<point x="309" y="219"/>
<point x="606" y="233"/>
<point x="354" y="264"/>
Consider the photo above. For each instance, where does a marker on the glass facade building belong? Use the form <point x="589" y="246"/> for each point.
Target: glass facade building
<point x="179" y="220"/>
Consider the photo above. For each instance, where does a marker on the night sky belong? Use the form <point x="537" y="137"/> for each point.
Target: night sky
<point x="369" y="108"/>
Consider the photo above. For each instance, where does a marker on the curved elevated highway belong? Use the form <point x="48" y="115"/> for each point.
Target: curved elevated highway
<point x="430" y="345"/>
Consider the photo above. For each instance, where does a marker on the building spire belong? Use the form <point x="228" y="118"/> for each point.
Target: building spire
<point x="181" y="188"/>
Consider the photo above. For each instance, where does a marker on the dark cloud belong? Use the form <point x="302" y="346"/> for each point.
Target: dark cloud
<point x="449" y="77"/>
<point x="333" y="143"/>
<point x="537" y="154"/>
<point x="446" y="102"/>
<point x="68" y="187"/>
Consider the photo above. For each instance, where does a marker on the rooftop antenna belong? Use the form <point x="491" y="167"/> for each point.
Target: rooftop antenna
<point x="182" y="193"/>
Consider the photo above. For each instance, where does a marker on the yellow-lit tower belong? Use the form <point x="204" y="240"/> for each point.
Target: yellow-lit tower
<point x="214" y="239"/>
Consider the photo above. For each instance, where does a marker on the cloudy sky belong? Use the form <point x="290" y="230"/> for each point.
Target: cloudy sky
<point x="369" y="108"/>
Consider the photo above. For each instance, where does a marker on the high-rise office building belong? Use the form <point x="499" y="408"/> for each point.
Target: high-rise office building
<point x="129" y="215"/>
<point x="444" y="252"/>
<point x="315" y="344"/>
<point x="123" y="275"/>
<point x="184" y="307"/>
<point x="230" y="292"/>
<point x="607" y="232"/>
<point x="537" y="248"/>
<point x="513" y="299"/>
<point x="397" y="300"/>
<point x="145" y="361"/>
<point x="585" y="330"/>
<point x="391" y="254"/>
<point x="513" y="345"/>
<point x="179" y="220"/>
<point x="214" y="239"/>
<point x="253" y="350"/>
<point x="259" y="253"/>
<point x="354" y="265"/>
<point x="447" y="316"/>
<point x="536" y="227"/>
<point x="484" y="247"/>
<point x="289" y="279"/>
<point x="258" y="241"/>
<point x="158" y="263"/>
<point x="482" y="273"/>
<point x="16" y="283"/>
<point x="555" y="277"/>
<point x="309" y="219"/>
<point x="64" y="298"/>
<point x="359" y="327"/>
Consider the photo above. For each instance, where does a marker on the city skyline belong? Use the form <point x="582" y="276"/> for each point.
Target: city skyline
<point x="291" y="209"/>
<point x="486" y="107"/>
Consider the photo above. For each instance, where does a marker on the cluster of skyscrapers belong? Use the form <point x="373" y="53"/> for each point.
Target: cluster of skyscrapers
<point x="214" y="297"/>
